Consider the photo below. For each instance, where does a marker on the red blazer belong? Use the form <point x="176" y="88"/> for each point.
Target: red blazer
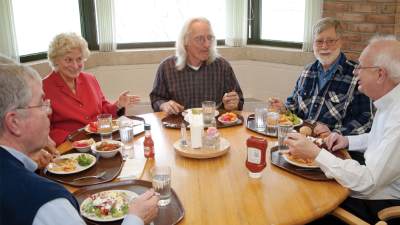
<point x="73" y="111"/>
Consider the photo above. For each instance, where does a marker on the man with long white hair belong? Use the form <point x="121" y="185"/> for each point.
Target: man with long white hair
<point x="326" y="91"/>
<point x="375" y="185"/>
<point x="197" y="73"/>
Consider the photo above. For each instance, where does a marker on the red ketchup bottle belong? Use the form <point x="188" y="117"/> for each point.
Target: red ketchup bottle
<point x="256" y="151"/>
<point x="148" y="144"/>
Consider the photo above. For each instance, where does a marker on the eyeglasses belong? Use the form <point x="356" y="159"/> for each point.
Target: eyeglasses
<point x="358" y="67"/>
<point x="45" y="106"/>
<point x="202" y="39"/>
<point x="328" y="42"/>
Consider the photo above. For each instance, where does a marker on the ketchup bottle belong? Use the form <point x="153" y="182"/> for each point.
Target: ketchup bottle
<point x="148" y="144"/>
<point x="256" y="151"/>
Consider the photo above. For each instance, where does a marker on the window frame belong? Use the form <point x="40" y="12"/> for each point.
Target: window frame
<point x="254" y="28"/>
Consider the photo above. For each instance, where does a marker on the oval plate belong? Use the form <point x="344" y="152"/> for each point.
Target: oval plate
<point x="224" y="147"/>
<point x="130" y="194"/>
<point x="78" y="168"/>
<point x="298" y="163"/>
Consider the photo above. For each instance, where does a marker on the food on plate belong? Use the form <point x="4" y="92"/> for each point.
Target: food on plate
<point x="92" y="126"/>
<point x="228" y="117"/>
<point x="105" y="205"/>
<point x="84" y="160"/>
<point x="64" y="165"/>
<point x="289" y="118"/>
<point x="305" y="130"/>
<point x="320" y="142"/>
<point x="107" y="146"/>
<point x="308" y="162"/>
<point x="83" y="143"/>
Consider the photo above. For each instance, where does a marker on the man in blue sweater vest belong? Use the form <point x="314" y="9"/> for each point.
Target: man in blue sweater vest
<point x="26" y="198"/>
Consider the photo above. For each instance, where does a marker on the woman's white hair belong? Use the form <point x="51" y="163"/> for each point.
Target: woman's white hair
<point x="63" y="43"/>
<point x="388" y="56"/>
<point x="183" y="40"/>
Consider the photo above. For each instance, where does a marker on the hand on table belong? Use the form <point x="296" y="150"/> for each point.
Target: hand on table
<point x="145" y="206"/>
<point x="171" y="107"/>
<point x="230" y="100"/>
<point x="301" y="147"/>
<point x="126" y="99"/>
<point x="336" y="141"/>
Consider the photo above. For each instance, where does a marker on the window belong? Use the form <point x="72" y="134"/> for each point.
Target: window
<point x="37" y="22"/>
<point x="139" y="21"/>
<point x="276" y="22"/>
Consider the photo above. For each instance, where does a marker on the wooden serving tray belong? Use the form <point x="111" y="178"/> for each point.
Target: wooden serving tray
<point x="81" y="134"/>
<point x="112" y="166"/>
<point x="309" y="173"/>
<point x="167" y="215"/>
<point x="175" y="121"/>
<point x="202" y="153"/>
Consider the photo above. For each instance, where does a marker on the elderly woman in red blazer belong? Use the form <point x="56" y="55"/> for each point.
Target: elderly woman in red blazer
<point x="76" y="96"/>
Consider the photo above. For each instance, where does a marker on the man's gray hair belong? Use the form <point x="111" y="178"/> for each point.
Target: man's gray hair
<point x="388" y="56"/>
<point x="15" y="90"/>
<point x="5" y="60"/>
<point x="183" y="40"/>
<point x="325" y="24"/>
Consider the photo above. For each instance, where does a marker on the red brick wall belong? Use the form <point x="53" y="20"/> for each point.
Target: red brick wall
<point x="362" y="19"/>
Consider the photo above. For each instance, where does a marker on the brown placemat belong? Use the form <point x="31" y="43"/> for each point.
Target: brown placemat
<point x="112" y="166"/>
<point x="309" y="173"/>
<point x="175" y="121"/>
<point x="167" y="215"/>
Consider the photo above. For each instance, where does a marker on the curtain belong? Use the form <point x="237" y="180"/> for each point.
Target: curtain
<point x="106" y="25"/>
<point x="313" y="12"/>
<point x="236" y="23"/>
<point x="8" y="38"/>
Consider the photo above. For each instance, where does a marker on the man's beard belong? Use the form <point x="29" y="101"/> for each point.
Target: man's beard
<point x="328" y="60"/>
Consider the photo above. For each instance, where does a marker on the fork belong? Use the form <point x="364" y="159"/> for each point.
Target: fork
<point x="98" y="176"/>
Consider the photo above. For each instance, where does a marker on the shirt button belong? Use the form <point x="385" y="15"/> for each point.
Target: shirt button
<point x="86" y="117"/>
<point x="80" y="105"/>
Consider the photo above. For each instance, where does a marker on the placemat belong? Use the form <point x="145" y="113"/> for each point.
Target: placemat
<point x="112" y="166"/>
<point x="167" y="215"/>
<point x="81" y="134"/>
<point x="309" y="173"/>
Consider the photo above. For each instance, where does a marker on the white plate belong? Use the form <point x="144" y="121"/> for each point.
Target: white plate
<point x="299" y="124"/>
<point x="227" y="122"/>
<point x="109" y="218"/>
<point x="297" y="163"/>
<point x="78" y="168"/>
<point x="115" y="127"/>
<point x="187" y="114"/>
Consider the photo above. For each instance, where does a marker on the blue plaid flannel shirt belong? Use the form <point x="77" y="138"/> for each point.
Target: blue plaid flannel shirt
<point x="338" y="104"/>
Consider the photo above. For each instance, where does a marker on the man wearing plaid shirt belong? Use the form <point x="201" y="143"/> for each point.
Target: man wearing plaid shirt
<point x="326" y="91"/>
<point x="195" y="74"/>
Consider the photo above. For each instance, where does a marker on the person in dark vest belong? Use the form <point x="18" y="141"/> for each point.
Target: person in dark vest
<point x="25" y="197"/>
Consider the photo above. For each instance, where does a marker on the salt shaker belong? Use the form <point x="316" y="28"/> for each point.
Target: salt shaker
<point x="183" y="135"/>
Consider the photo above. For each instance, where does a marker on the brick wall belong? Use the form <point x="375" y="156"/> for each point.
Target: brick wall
<point x="362" y="19"/>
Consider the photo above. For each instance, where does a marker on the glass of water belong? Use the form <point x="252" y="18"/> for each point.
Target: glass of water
<point x="283" y="130"/>
<point x="272" y="123"/>
<point x="260" y="113"/>
<point x="126" y="134"/>
<point x="104" y="126"/>
<point x="208" y="112"/>
<point x="161" y="180"/>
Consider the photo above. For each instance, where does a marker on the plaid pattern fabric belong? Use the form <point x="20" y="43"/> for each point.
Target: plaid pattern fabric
<point x="338" y="104"/>
<point x="190" y="87"/>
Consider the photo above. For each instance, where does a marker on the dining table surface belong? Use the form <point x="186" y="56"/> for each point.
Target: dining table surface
<point x="220" y="191"/>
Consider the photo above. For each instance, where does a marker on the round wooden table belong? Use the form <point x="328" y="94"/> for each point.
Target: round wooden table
<point x="219" y="190"/>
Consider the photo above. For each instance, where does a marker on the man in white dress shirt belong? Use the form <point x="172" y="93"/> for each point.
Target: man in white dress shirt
<point x="27" y="198"/>
<point x="376" y="184"/>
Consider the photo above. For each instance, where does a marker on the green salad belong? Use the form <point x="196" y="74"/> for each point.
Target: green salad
<point x="84" y="160"/>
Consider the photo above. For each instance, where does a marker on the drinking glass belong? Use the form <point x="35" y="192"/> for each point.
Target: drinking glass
<point x="126" y="134"/>
<point x="208" y="112"/>
<point x="260" y="113"/>
<point x="283" y="130"/>
<point x="161" y="180"/>
<point x="272" y="122"/>
<point x="104" y="126"/>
